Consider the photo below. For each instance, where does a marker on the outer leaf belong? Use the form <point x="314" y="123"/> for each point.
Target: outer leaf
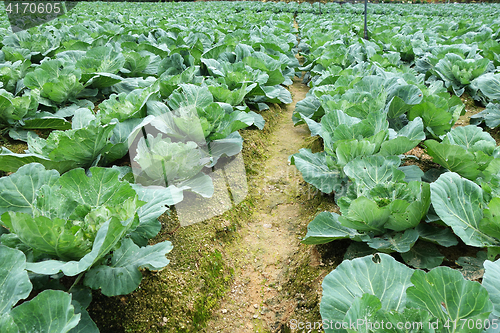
<point x="490" y="282"/>
<point x="18" y="191"/>
<point x="399" y="242"/>
<point x="490" y="224"/>
<point x="413" y="320"/>
<point x="489" y="84"/>
<point x="82" y="146"/>
<point x="314" y="127"/>
<point x="365" y="215"/>
<point x="121" y="107"/>
<point x="70" y="212"/>
<point x="358" y="250"/>
<point x="307" y="108"/>
<point x="186" y="125"/>
<point x="229" y="146"/>
<point x="412" y="173"/>
<point x="284" y="96"/>
<point x="337" y="125"/>
<point x="472" y="138"/>
<point x="49" y="311"/>
<point x="449" y="297"/>
<point x="86" y="324"/>
<point x="20" y="134"/>
<point x="491" y="115"/>
<point x="372" y="170"/>
<point x="165" y="162"/>
<point x="101" y="59"/>
<point x="423" y="255"/>
<point x="81" y="295"/>
<point x="472" y="268"/>
<point x="381" y="276"/>
<point x="47" y="235"/>
<point x="157" y="199"/>
<point x="315" y="170"/>
<point x="201" y="184"/>
<point x="124" y="134"/>
<point x="434" y="114"/>
<point x="102" y="188"/>
<point x="397" y="146"/>
<point x="408" y="213"/>
<point x="459" y="203"/>
<point x="191" y="96"/>
<point x="363" y="308"/>
<point x="15" y="284"/>
<point x="47" y="123"/>
<point x="436" y="235"/>
<point x="7" y="324"/>
<point x="414" y="130"/>
<point x="403" y="97"/>
<point x="123" y="276"/>
<point x="11" y="162"/>
<point x="453" y="158"/>
<point x="348" y="150"/>
<point x="106" y="239"/>
<point x="258" y="120"/>
<point x="103" y="80"/>
<point x="326" y="228"/>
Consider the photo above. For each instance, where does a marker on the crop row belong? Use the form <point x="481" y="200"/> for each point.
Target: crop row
<point x="375" y="104"/>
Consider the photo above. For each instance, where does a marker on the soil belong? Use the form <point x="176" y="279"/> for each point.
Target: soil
<point x="276" y="277"/>
<point x="423" y="161"/>
<point x="471" y="108"/>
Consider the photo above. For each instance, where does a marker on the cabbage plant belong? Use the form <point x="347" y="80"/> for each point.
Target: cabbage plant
<point x="378" y="294"/>
<point x="84" y="224"/>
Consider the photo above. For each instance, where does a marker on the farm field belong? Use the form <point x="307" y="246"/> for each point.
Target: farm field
<point x="251" y="167"/>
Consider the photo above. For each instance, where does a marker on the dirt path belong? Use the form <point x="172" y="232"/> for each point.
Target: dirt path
<point x="270" y="239"/>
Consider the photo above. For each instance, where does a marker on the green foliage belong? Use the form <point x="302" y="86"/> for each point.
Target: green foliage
<point x="462" y="205"/>
<point x="187" y="82"/>
<point x="50" y="310"/>
<point x="372" y="101"/>
<point x="465" y="150"/>
<point x="387" y="290"/>
<point x="74" y="222"/>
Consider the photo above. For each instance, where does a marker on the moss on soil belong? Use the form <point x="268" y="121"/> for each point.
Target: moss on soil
<point x="471" y="108"/>
<point x="495" y="133"/>
<point x="183" y="296"/>
<point x="14" y="146"/>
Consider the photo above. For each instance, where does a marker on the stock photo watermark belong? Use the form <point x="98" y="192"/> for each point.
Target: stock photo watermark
<point x="358" y="324"/>
<point x="25" y="14"/>
<point x="171" y="150"/>
<point x="367" y="325"/>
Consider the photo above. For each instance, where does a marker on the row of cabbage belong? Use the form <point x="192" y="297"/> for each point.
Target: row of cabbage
<point x="165" y="85"/>
<point x="372" y="102"/>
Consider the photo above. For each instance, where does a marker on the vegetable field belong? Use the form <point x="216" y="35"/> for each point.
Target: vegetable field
<point x="251" y="167"/>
